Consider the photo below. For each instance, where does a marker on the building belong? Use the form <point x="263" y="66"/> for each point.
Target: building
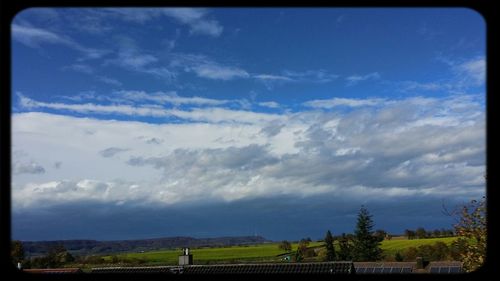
<point x="256" y="268"/>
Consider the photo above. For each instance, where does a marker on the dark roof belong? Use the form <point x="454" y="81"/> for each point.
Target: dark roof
<point x="142" y="269"/>
<point x="54" y="270"/>
<point x="277" y="268"/>
<point x="341" y="267"/>
<point x="407" y="267"/>
<point x="263" y="268"/>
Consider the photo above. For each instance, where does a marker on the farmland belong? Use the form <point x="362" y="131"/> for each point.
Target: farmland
<point x="255" y="253"/>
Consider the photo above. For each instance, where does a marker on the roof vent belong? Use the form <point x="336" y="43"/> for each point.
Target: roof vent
<point x="186" y="258"/>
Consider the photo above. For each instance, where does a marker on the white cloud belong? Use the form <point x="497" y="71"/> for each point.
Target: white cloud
<point x="270" y="104"/>
<point x="424" y="86"/>
<point x="354" y="79"/>
<point x="472" y="71"/>
<point x="334" y="102"/>
<point x="196" y="19"/>
<point x="314" y="76"/>
<point x="33" y="37"/>
<point x="219" y="72"/>
<point x="109" y="81"/>
<point x="169" y="97"/>
<point x="411" y="147"/>
<point x="212" y="114"/>
<point x="272" y="77"/>
<point x="132" y="58"/>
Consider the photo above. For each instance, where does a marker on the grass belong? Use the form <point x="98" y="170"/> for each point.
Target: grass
<point x="257" y="253"/>
<point x="261" y="252"/>
<point x="390" y="247"/>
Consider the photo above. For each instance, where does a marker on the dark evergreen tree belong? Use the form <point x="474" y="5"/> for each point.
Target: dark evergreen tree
<point x="344" y="248"/>
<point x="366" y="246"/>
<point x="330" y="250"/>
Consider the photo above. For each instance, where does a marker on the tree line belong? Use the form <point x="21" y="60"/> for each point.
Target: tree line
<point x="421" y="233"/>
<point x="364" y="244"/>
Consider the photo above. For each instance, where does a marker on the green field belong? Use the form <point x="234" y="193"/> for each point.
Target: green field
<point x="257" y="253"/>
<point x="390" y="247"/>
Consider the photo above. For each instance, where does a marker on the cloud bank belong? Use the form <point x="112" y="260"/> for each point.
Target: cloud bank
<point x="432" y="147"/>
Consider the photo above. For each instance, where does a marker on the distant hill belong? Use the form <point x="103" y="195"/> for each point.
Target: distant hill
<point x="87" y="247"/>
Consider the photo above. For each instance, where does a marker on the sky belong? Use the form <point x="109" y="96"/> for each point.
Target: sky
<point x="132" y="123"/>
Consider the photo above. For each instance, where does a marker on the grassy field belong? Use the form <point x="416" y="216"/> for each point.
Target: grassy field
<point x="262" y="252"/>
<point x="390" y="247"/>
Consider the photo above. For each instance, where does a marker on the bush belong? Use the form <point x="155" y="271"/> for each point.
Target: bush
<point x="435" y="252"/>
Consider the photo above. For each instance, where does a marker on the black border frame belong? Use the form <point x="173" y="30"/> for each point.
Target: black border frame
<point x="486" y="8"/>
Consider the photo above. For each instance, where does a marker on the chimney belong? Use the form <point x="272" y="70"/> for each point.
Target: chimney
<point x="186" y="258"/>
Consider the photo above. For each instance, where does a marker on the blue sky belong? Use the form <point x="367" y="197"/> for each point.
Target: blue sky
<point x="165" y="111"/>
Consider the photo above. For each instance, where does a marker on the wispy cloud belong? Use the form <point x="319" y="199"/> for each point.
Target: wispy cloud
<point x="78" y="67"/>
<point x="212" y="114"/>
<point x="314" y="76"/>
<point x="196" y="19"/>
<point x="34" y="37"/>
<point x="219" y="72"/>
<point x="335" y="102"/>
<point x="270" y="104"/>
<point x="286" y="76"/>
<point x="109" y="81"/>
<point x="168" y="97"/>
<point x="407" y="86"/>
<point x="462" y="75"/>
<point x="206" y="67"/>
<point x="131" y="57"/>
<point x="472" y="71"/>
<point x="354" y="79"/>
<point x="269" y="77"/>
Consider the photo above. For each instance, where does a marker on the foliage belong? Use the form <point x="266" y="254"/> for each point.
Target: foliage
<point x="285" y="246"/>
<point x="366" y="246"/>
<point x="56" y="257"/>
<point x="471" y="229"/>
<point x="398" y="257"/>
<point x="330" y="250"/>
<point x="458" y="247"/>
<point x="421" y="233"/>
<point x="380" y="234"/>
<point x="345" y="248"/>
<point x="267" y="252"/>
<point x="410" y="234"/>
<point x="17" y="252"/>
<point x="93" y="247"/>
<point x="438" y="251"/>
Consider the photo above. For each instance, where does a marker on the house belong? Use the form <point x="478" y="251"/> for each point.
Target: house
<point x="256" y="268"/>
<point x="408" y="267"/>
<point x="54" y="270"/>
